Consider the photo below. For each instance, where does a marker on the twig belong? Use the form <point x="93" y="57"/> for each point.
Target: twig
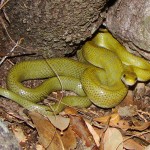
<point x="18" y="42"/>
<point x="4" y="26"/>
<point x="139" y="134"/>
<point x="59" y="81"/>
<point x="3" y="3"/>
<point x="142" y="113"/>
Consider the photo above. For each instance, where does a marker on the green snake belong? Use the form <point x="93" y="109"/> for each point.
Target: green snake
<point x="95" y="80"/>
<point x="140" y="66"/>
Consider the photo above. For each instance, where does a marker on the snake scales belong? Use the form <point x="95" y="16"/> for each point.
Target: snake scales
<point x="96" y="79"/>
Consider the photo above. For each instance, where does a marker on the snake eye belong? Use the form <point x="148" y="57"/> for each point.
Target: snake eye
<point x="124" y="75"/>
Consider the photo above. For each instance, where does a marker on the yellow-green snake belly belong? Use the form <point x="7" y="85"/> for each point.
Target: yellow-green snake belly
<point x="98" y="81"/>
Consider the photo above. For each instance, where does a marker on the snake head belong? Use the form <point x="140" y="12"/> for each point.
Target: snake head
<point x="129" y="78"/>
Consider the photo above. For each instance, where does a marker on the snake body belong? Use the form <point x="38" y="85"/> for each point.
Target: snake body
<point x="140" y="66"/>
<point x="98" y="81"/>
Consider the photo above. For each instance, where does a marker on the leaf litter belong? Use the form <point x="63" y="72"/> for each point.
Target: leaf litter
<point x="91" y="128"/>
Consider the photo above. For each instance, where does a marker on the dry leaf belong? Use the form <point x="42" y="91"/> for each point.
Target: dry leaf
<point x="142" y="127"/>
<point x="39" y="147"/>
<point x="147" y="148"/>
<point x="48" y="135"/>
<point x="19" y="134"/>
<point x="69" y="143"/>
<point x="128" y="100"/>
<point x="80" y="128"/>
<point x="127" y="111"/>
<point x="94" y="134"/>
<point x="123" y="124"/>
<point x="131" y="144"/>
<point x="70" y="111"/>
<point x="113" y="119"/>
<point x="59" y="122"/>
<point x="113" y="139"/>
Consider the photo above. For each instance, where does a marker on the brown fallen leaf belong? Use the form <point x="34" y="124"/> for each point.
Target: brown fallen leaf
<point x="39" y="147"/>
<point x="59" y="122"/>
<point x="123" y="124"/>
<point x="70" y="111"/>
<point x="48" y="135"/>
<point x="80" y="128"/>
<point x="147" y="148"/>
<point x="94" y="134"/>
<point x="141" y="127"/>
<point x="113" y="139"/>
<point x="112" y="119"/>
<point x="69" y="139"/>
<point x="131" y="144"/>
<point x="127" y="111"/>
<point x="146" y="136"/>
<point x="128" y="100"/>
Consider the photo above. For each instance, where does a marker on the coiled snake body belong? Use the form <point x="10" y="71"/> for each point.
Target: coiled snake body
<point x="98" y="81"/>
